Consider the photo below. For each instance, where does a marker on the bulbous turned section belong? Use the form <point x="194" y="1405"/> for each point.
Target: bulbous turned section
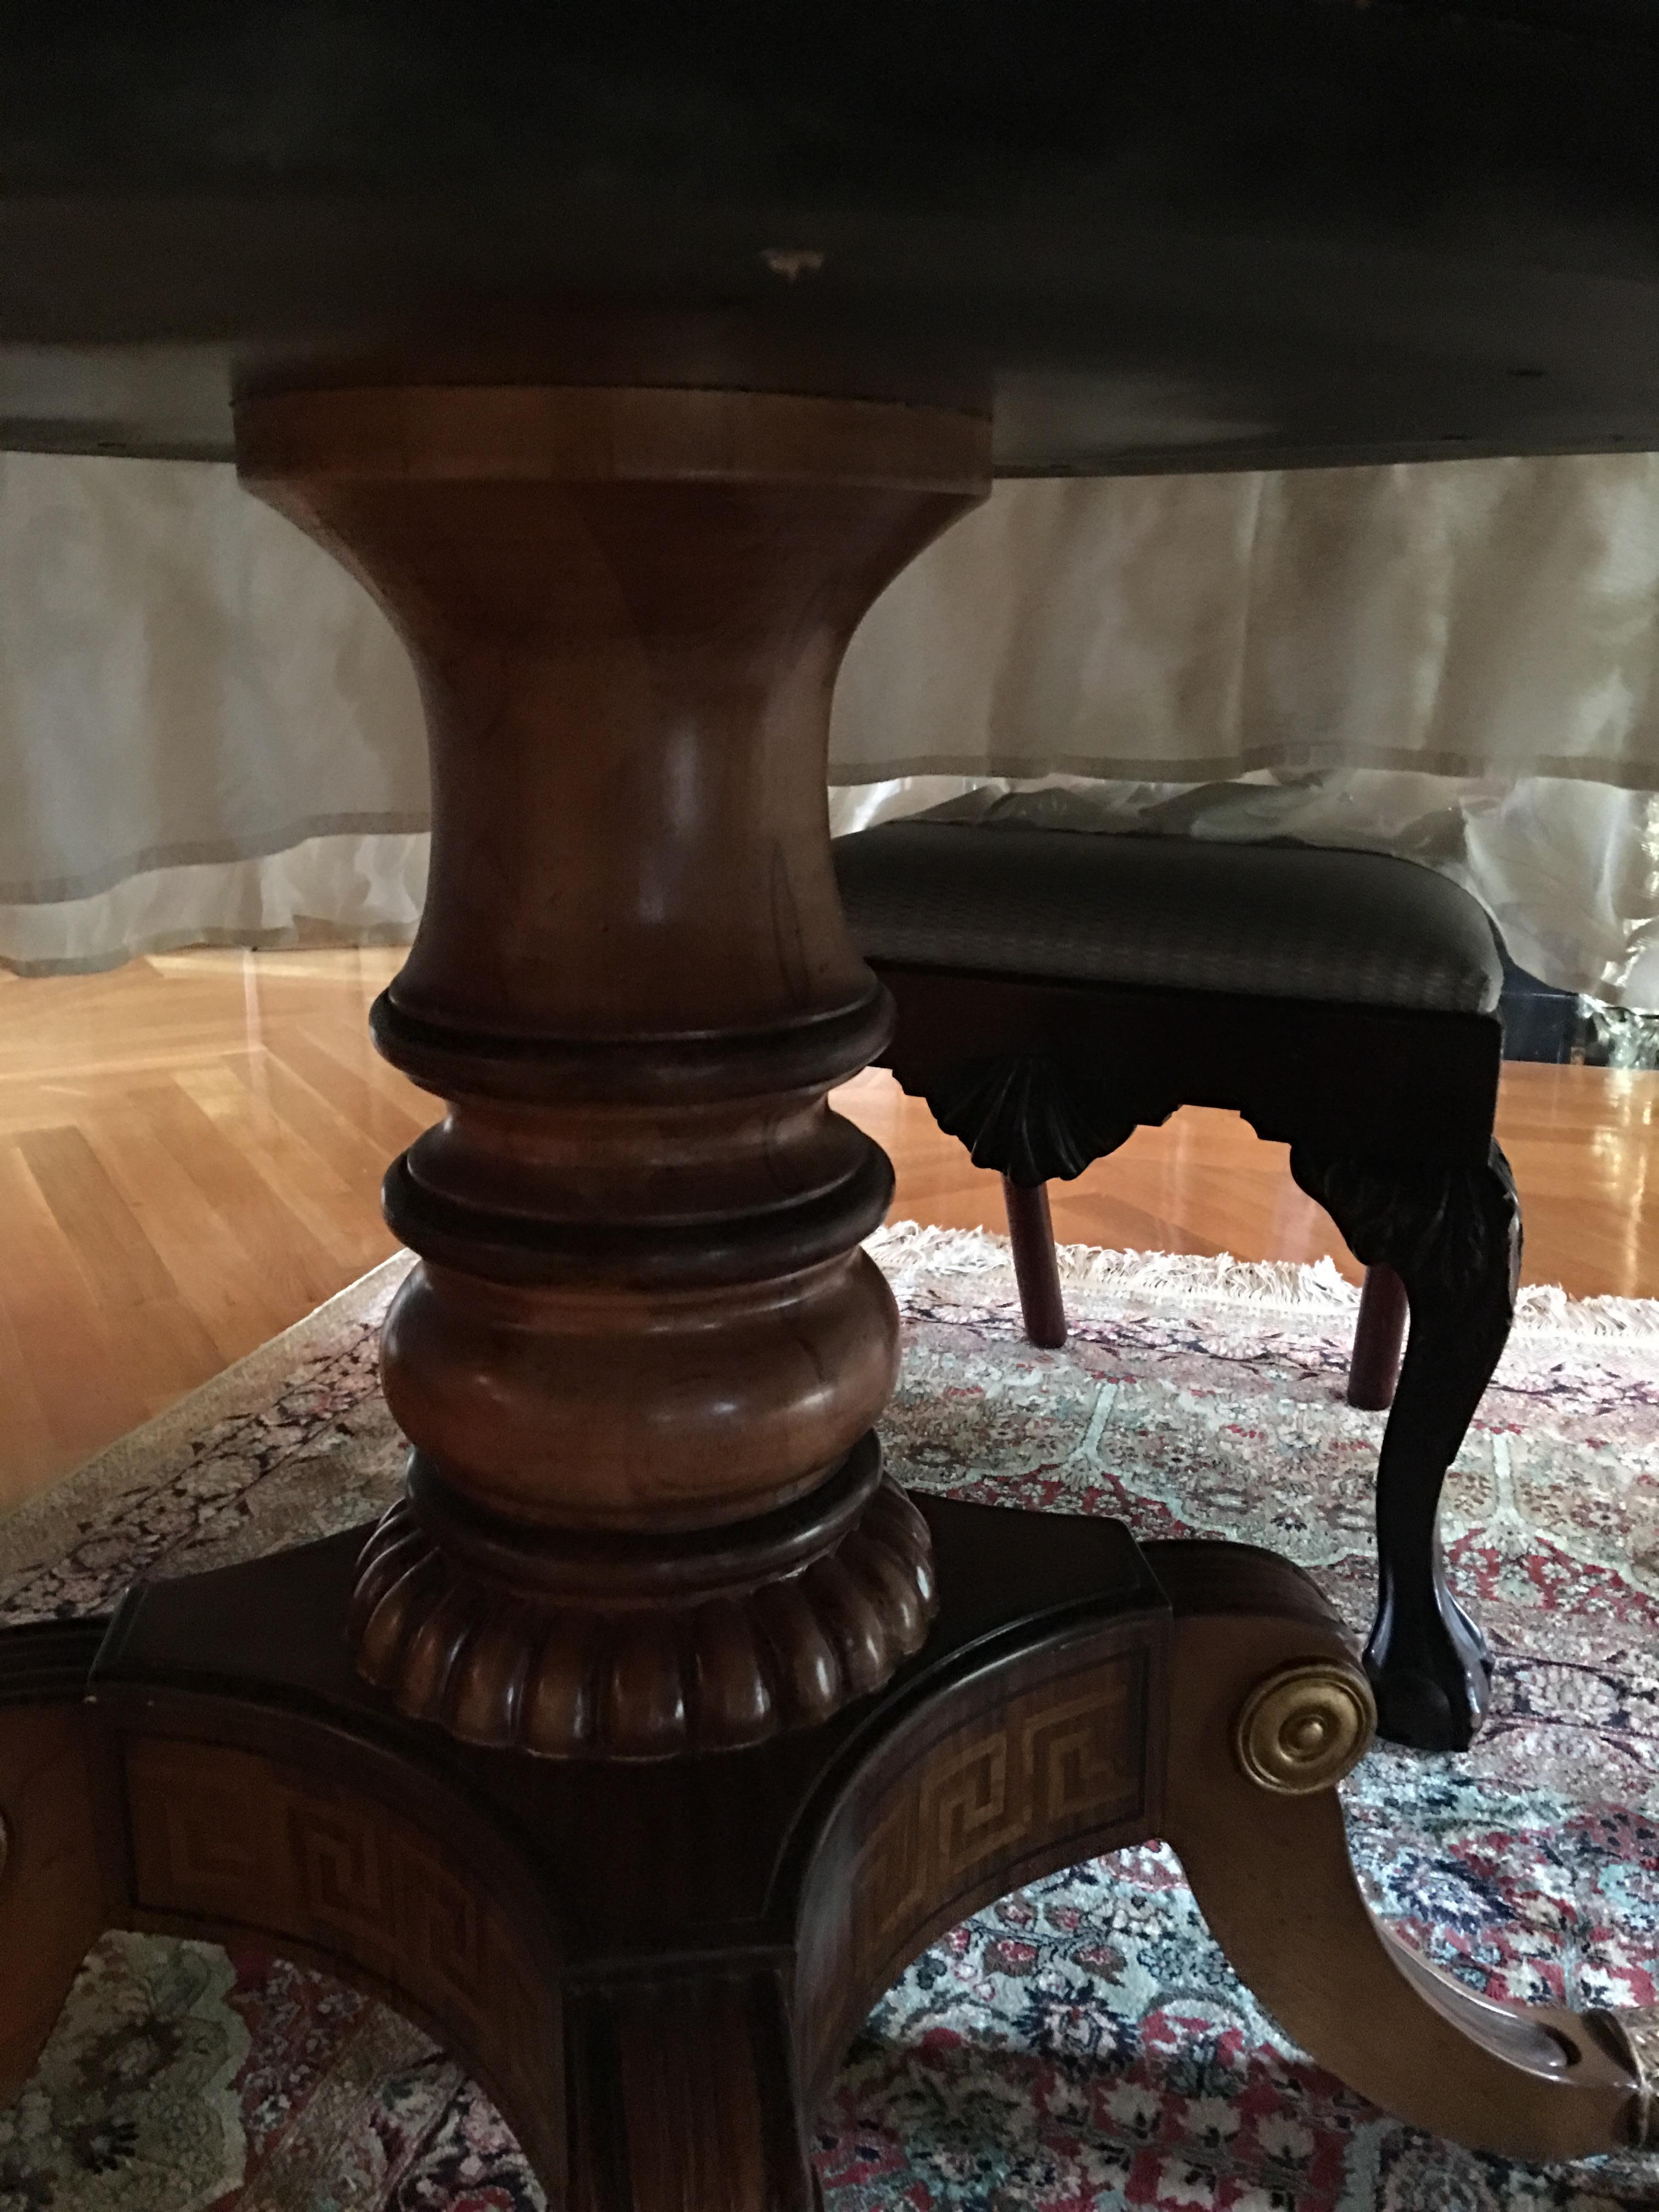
<point x="616" y="1648"/>
<point x="642" y="1356"/>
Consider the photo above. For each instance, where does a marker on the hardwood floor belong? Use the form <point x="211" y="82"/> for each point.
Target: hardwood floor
<point x="190" y="1151"/>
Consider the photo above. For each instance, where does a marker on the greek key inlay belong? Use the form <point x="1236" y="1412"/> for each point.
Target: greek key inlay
<point x="224" y="1834"/>
<point x="1062" y="1760"/>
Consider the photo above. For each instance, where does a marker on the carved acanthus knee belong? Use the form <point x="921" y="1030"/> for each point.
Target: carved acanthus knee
<point x="1450" y="1233"/>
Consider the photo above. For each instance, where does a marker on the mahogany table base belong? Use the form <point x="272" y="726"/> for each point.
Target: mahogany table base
<point x="654" y="1967"/>
<point x="655" y="1729"/>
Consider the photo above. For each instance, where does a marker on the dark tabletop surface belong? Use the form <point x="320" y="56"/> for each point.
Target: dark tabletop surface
<point x="1166" y="234"/>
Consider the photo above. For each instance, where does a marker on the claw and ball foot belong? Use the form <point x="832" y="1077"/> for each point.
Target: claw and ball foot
<point x="1440" y="1242"/>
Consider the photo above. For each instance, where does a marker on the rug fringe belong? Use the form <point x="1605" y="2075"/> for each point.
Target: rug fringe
<point x="1546" y="1310"/>
<point x="906" y="1248"/>
<point x="909" y="1251"/>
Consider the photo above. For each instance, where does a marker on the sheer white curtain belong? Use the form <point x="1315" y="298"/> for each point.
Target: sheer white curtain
<point x="1468" y="619"/>
<point x="207" y="730"/>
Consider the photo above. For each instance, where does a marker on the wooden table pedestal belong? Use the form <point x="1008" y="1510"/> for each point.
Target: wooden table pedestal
<point x="654" y="1728"/>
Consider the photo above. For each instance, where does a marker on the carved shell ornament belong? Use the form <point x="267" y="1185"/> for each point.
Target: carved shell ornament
<point x="1029" y="1116"/>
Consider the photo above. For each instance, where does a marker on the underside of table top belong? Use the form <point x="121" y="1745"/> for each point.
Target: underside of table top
<point x="1198" y="234"/>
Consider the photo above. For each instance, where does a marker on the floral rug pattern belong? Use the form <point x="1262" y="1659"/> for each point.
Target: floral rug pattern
<point x="1082" y="2042"/>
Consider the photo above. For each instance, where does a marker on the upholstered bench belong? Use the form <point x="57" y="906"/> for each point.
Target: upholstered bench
<point x="1055" y="989"/>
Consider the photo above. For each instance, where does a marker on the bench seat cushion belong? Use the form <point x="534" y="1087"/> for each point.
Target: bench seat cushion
<point x="1286" y="921"/>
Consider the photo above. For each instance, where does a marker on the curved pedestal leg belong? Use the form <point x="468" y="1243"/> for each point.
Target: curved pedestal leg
<point x="1260" y="1691"/>
<point x="654" y="1967"/>
<point x="1453" y="1235"/>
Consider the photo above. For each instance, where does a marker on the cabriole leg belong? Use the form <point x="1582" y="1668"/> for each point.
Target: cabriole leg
<point x="1453" y="1235"/>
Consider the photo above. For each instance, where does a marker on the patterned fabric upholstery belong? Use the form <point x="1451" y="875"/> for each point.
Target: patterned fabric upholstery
<point x="1272" y="920"/>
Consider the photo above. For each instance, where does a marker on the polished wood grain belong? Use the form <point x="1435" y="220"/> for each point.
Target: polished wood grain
<point x="178" y="1137"/>
<point x="1267" y="1858"/>
<point x="642" y="1358"/>
<point x="191" y="1153"/>
<point x="655" y="1969"/>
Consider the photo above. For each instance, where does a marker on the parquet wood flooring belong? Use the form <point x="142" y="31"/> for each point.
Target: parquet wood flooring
<point x="191" y="1147"/>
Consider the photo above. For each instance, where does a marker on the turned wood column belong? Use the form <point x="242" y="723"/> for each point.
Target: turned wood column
<point x="639" y="1360"/>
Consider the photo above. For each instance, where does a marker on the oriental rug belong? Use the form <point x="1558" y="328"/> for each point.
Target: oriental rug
<point x="1083" y="2044"/>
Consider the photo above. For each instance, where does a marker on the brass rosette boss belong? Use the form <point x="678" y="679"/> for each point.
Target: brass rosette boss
<point x="1305" y="1727"/>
